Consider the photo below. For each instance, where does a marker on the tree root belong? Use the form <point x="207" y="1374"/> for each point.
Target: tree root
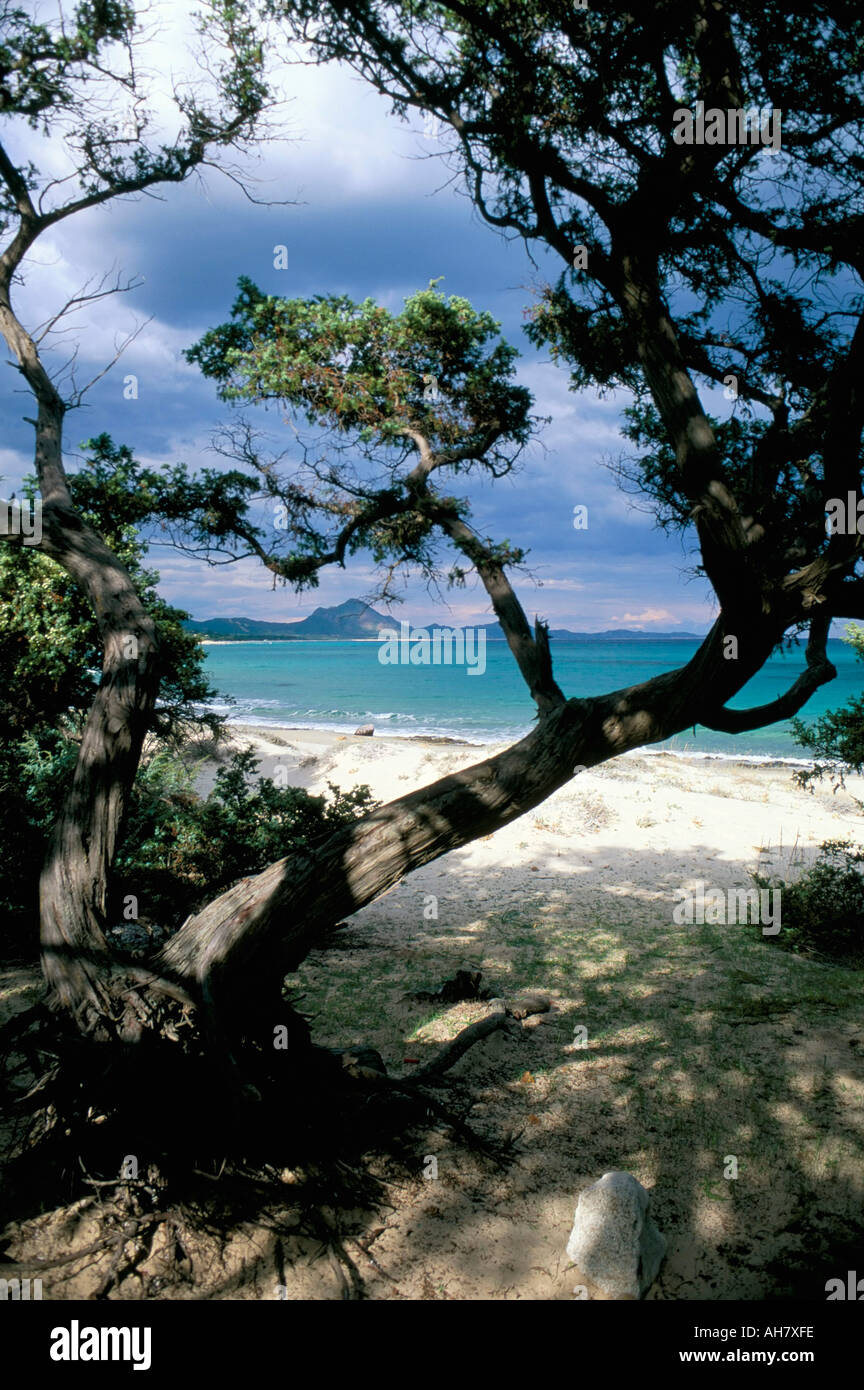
<point x="79" y="1116"/>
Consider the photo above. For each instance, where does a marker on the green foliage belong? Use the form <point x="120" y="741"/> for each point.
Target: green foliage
<point x="438" y="367"/>
<point x="823" y="911"/>
<point x="75" y="76"/>
<point x="34" y="773"/>
<point x="39" y="61"/>
<point x="561" y="120"/>
<point x="835" y="739"/>
<point x="180" y="850"/>
<point x="50" y="647"/>
<point x="50" y="660"/>
<point x="406" y="395"/>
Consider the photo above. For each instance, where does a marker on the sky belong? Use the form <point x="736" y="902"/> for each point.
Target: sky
<point x="370" y="210"/>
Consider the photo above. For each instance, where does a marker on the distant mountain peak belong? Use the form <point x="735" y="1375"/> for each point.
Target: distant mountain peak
<point x="354" y="618"/>
<point x="351" y="605"/>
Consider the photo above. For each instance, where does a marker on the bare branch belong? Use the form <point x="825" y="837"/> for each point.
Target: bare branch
<point x="78" y="393"/>
<point x="819" y="671"/>
<point x="77" y="301"/>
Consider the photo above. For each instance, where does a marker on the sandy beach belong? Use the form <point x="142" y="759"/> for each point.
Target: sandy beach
<point x="641" y="822"/>
<point x="667" y="1048"/>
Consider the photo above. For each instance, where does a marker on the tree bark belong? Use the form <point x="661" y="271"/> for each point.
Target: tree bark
<point x="73" y="887"/>
<point x="273" y="920"/>
<point x="76" y="959"/>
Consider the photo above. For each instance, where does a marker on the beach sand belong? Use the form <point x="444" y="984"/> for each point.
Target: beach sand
<point x="708" y="819"/>
<point x="724" y="1072"/>
<point x="700" y="1043"/>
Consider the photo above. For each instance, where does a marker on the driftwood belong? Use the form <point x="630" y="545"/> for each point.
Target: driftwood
<point x="452" y="1051"/>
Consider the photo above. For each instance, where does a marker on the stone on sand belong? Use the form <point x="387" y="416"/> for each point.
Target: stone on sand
<point x="616" y="1247"/>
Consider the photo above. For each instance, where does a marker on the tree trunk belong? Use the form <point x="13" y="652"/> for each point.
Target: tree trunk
<point x="73" y="887"/>
<point x="271" y="921"/>
<point x="75" y="956"/>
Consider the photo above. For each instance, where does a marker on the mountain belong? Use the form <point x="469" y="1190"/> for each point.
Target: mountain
<point x="239" y="628"/>
<point x="615" y="634"/>
<point x="354" y="619"/>
<point x="350" y="619"/>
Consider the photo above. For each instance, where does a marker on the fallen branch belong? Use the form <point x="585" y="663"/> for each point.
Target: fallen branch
<point x="451" y="1053"/>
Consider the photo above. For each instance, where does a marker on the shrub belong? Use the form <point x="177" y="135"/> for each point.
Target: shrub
<point x="180" y="850"/>
<point x="823" y="910"/>
<point x="835" y="739"/>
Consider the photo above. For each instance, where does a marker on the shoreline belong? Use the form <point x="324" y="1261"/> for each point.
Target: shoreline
<point x="300" y="733"/>
<point x="743" y="797"/>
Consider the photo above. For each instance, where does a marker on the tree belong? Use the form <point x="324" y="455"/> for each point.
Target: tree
<point x="684" y="269"/>
<point x="57" y="78"/>
<point x="50" y="652"/>
<point x="563" y="123"/>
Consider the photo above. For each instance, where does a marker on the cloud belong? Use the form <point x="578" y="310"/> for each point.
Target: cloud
<point x="375" y="218"/>
<point x="15" y="464"/>
<point x="648" y="615"/>
<point x="570" y="586"/>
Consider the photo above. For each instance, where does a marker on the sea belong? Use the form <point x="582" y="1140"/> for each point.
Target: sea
<point x="339" y="685"/>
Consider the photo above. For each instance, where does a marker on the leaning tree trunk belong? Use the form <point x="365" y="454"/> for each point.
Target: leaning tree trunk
<point x="268" y="923"/>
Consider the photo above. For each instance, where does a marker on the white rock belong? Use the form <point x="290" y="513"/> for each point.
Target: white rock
<point x="616" y="1247"/>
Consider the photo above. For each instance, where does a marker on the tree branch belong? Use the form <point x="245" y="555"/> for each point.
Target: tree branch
<point x="819" y="671"/>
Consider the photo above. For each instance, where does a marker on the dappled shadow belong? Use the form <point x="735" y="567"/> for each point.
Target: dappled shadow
<point x="704" y="1044"/>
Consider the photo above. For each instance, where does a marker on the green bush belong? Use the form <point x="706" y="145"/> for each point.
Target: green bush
<point x="35" y="770"/>
<point x="180" y="850"/>
<point x="823" y="910"/>
<point x="835" y="739"/>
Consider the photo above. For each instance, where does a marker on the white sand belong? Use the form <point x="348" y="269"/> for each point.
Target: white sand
<point x="640" y="824"/>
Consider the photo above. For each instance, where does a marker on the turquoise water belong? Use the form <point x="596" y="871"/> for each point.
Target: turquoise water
<point x="338" y="685"/>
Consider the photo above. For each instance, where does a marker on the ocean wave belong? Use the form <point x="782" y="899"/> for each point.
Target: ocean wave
<point x="486" y="737"/>
<point x="700" y="755"/>
<point x="411" y="729"/>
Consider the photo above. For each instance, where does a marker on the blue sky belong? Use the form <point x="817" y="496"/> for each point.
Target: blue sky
<point x="374" y="212"/>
